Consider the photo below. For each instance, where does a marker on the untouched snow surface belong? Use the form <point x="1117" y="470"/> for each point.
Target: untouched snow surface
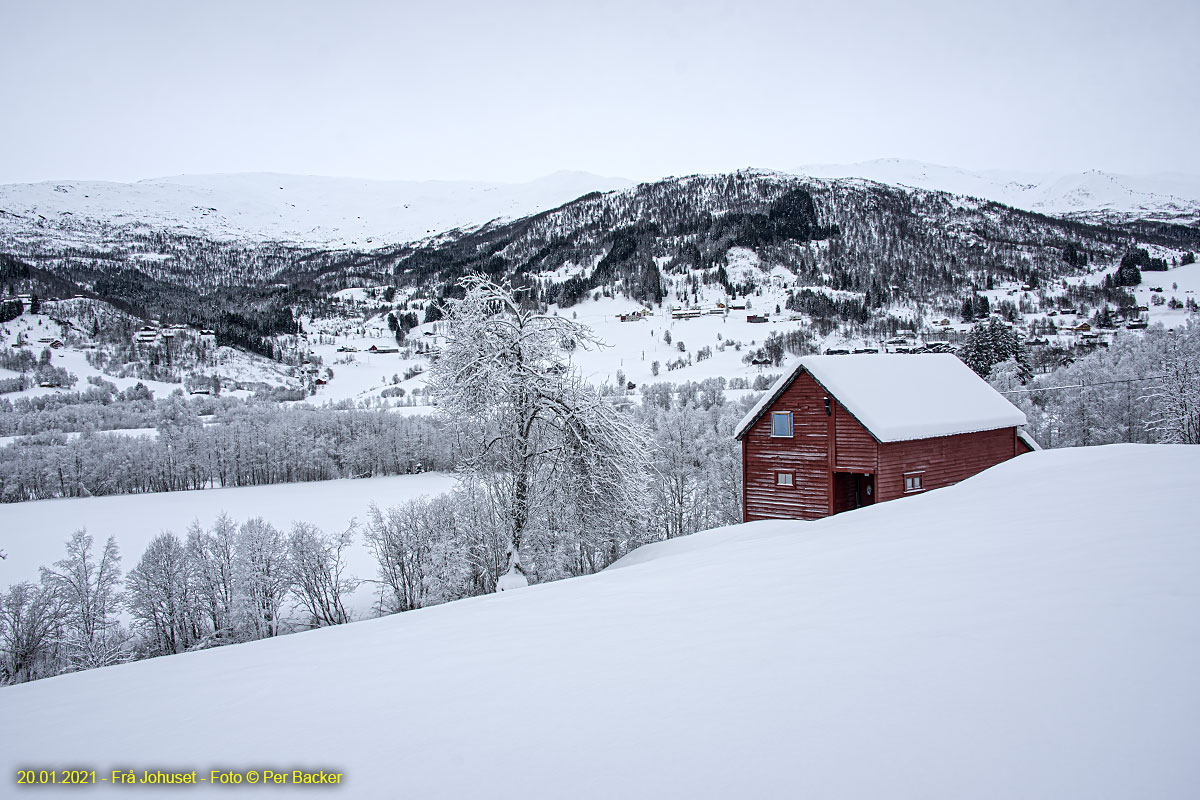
<point x="1006" y="637"/>
<point x="902" y="397"/>
<point x="341" y="212"/>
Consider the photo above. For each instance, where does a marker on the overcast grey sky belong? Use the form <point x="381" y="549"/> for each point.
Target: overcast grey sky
<point x="515" y="90"/>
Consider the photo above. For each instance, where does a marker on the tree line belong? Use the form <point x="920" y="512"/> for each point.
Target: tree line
<point x="1141" y="388"/>
<point x="239" y="444"/>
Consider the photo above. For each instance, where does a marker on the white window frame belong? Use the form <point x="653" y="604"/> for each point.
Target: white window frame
<point x="791" y="426"/>
<point x="790" y="475"/>
<point x="916" y="477"/>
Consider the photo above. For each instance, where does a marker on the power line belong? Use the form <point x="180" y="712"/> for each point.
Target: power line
<point x="1084" y="385"/>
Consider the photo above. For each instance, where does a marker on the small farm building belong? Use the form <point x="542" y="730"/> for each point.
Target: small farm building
<point x="839" y="432"/>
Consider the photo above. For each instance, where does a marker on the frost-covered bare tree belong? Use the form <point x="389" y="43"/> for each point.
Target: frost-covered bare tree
<point x="89" y="589"/>
<point x="1177" y="394"/>
<point x="31" y="616"/>
<point x="211" y="554"/>
<point x="261" y="578"/>
<point x="480" y="535"/>
<point x="696" y="478"/>
<point x="504" y="375"/>
<point x="595" y="510"/>
<point x="162" y="597"/>
<point x="317" y="572"/>
<point x="403" y="540"/>
<point x="1134" y="390"/>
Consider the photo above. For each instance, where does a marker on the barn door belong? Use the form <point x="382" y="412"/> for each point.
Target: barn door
<point x="865" y="490"/>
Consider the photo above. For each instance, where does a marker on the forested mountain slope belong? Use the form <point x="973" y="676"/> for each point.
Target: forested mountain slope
<point x="1092" y="195"/>
<point x="889" y="246"/>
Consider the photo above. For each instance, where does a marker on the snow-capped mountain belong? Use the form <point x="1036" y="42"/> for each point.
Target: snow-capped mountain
<point x="364" y="215"/>
<point x="1091" y="194"/>
<point x="300" y="209"/>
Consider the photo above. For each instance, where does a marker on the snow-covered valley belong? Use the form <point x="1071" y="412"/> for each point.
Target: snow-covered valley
<point x="1005" y="637"/>
<point x="823" y="422"/>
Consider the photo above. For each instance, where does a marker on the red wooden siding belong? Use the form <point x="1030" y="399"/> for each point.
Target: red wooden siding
<point x="807" y="453"/>
<point x="944" y="460"/>
<point x="822" y="445"/>
<point x="855" y="450"/>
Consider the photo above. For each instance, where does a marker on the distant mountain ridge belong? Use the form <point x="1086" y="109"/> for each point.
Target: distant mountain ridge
<point x="364" y="215"/>
<point x="862" y="249"/>
<point x="297" y="209"/>
<point x="1091" y="195"/>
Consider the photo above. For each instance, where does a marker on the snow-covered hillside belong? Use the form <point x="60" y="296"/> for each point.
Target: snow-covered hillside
<point x="1092" y="193"/>
<point x="366" y="214"/>
<point x="336" y="212"/>
<point x="1006" y="637"/>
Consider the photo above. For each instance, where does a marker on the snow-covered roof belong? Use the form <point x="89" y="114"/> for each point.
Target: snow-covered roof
<point x="902" y="397"/>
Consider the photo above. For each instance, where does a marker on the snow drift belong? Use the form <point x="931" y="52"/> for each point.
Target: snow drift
<point x="1032" y="632"/>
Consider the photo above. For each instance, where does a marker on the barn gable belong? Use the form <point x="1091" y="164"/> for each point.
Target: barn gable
<point x="840" y="432"/>
<point x="902" y="397"/>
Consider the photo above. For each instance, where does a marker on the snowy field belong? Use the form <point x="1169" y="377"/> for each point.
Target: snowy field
<point x="33" y="534"/>
<point x="1008" y="637"/>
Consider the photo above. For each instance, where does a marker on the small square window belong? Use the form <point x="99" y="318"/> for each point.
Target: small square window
<point x="781" y="424"/>
<point x="785" y="479"/>
<point x="912" y="483"/>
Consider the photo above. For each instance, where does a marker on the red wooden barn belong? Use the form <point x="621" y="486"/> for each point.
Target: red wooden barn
<point x="839" y="432"/>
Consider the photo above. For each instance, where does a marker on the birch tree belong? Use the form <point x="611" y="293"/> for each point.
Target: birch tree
<point x="402" y="540"/>
<point x="1177" y="395"/>
<point x="89" y="589"/>
<point x="261" y="578"/>
<point x="162" y="597"/>
<point x="317" y="572"/>
<point x="31" y="617"/>
<point x="211" y="555"/>
<point x="504" y="375"/>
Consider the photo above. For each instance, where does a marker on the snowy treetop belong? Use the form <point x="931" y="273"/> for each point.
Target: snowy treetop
<point x="902" y="397"/>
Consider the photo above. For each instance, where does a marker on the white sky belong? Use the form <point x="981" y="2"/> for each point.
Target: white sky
<point x="514" y="90"/>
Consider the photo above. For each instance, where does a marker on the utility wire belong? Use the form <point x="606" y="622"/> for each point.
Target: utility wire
<point x="1083" y="385"/>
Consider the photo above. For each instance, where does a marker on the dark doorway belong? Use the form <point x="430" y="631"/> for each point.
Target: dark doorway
<point x="852" y="490"/>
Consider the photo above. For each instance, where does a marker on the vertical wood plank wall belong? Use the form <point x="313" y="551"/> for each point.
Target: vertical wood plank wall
<point x="806" y="452"/>
<point x="822" y="445"/>
<point x="944" y="460"/>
